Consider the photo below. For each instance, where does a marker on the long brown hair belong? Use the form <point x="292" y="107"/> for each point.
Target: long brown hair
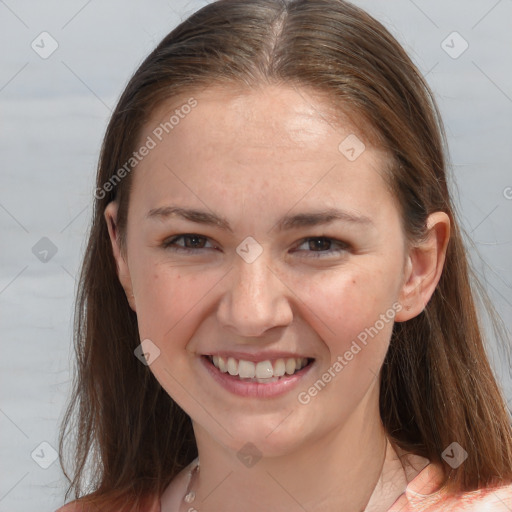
<point x="437" y="386"/>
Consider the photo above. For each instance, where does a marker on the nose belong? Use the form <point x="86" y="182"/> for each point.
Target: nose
<point x="255" y="299"/>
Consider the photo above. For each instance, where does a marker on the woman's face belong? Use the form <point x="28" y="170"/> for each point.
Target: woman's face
<point x="259" y="232"/>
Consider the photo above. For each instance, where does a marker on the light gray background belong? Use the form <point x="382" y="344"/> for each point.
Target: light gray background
<point x="53" y="115"/>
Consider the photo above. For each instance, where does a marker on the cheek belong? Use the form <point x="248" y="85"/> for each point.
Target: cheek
<point x="352" y="307"/>
<point x="169" y="305"/>
<point x="353" y="315"/>
<point x="168" y="299"/>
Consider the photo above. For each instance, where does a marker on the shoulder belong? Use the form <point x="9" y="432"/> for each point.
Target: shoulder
<point x="425" y="494"/>
<point x="79" y="506"/>
<point x="498" y="499"/>
<point x="483" y="500"/>
<point x="73" y="507"/>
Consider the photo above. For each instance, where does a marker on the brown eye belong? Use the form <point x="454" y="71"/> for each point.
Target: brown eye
<point x="187" y="242"/>
<point x="319" y="244"/>
<point x="322" y="246"/>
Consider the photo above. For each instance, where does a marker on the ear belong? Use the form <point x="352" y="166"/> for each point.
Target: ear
<point x="123" y="272"/>
<point x="424" y="265"/>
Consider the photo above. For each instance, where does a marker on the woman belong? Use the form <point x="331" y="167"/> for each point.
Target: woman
<point x="275" y="283"/>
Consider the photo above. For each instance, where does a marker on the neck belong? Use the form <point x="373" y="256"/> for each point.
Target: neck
<point x="352" y="469"/>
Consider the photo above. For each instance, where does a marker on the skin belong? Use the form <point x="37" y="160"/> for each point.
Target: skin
<point x="252" y="157"/>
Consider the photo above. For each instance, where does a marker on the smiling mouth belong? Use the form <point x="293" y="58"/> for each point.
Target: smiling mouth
<point x="263" y="371"/>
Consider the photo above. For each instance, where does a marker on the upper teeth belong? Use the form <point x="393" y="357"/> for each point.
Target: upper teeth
<point x="262" y="370"/>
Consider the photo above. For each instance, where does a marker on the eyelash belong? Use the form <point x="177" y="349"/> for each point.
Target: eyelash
<point x="344" y="247"/>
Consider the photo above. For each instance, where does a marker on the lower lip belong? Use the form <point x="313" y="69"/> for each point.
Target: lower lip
<point x="255" y="389"/>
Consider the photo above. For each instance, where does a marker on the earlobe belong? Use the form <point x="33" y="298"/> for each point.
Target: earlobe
<point x="123" y="273"/>
<point x="424" y="267"/>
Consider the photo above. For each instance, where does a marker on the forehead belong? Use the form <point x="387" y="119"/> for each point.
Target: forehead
<point x="274" y="139"/>
<point x="300" y="117"/>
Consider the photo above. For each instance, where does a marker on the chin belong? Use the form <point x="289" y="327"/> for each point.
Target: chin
<point x="267" y="437"/>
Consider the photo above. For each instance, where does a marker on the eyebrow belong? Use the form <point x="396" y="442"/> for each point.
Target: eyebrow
<point x="287" y="222"/>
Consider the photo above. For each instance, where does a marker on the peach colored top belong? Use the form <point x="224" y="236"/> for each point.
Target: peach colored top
<point x="422" y="494"/>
